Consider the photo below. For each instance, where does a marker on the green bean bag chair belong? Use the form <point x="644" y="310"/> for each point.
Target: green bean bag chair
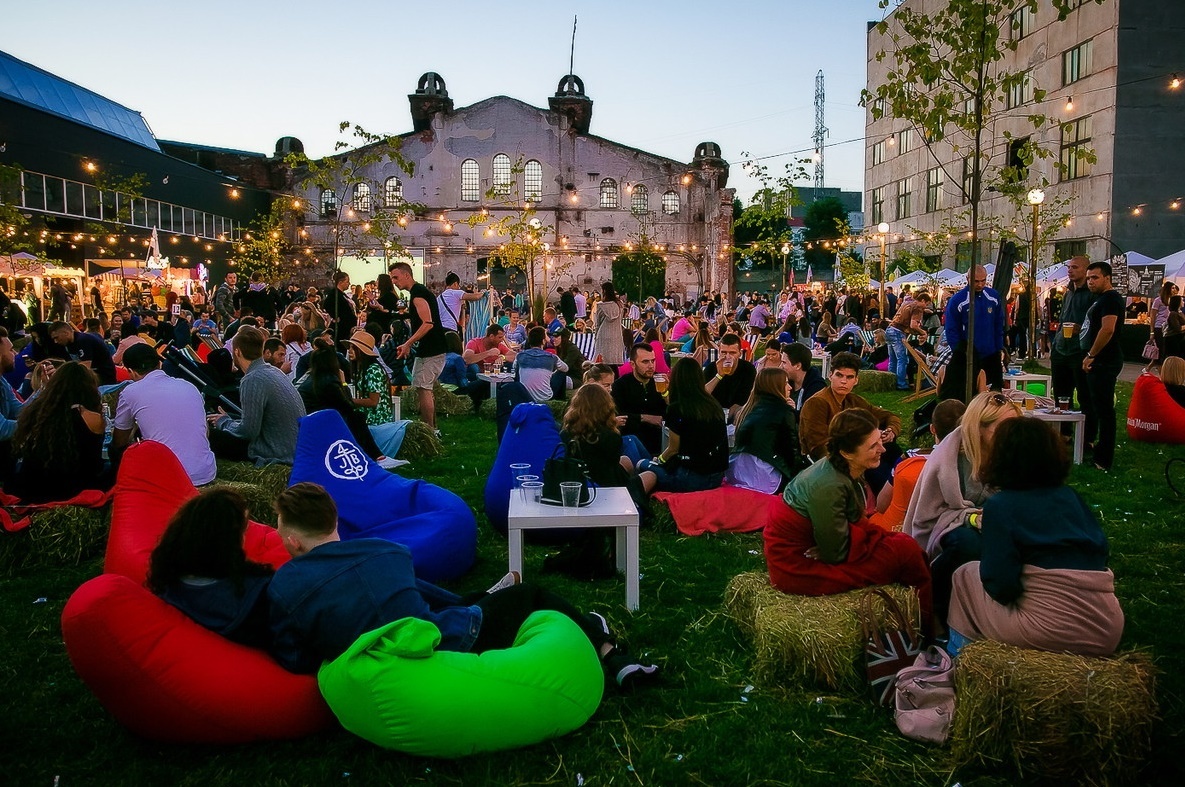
<point x="393" y="688"/>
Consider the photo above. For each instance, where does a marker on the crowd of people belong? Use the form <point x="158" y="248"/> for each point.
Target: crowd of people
<point x="677" y="397"/>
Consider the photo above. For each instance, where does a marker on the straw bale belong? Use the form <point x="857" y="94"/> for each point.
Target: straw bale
<point x="447" y="402"/>
<point x="259" y="499"/>
<point x="1054" y="715"/>
<point x="62" y="536"/>
<point x="806" y="640"/>
<point x="874" y="381"/>
<point x="419" y="442"/>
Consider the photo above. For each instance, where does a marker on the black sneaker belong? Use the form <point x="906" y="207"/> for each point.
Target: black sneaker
<point x="627" y="672"/>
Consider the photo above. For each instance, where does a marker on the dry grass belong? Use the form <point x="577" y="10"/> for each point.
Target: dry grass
<point x="806" y="640"/>
<point x="1054" y="715"/>
<point x="63" y="536"/>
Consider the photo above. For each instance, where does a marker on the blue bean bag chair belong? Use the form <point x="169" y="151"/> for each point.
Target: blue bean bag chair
<point x="531" y="438"/>
<point x="436" y="525"/>
<point x="393" y="688"/>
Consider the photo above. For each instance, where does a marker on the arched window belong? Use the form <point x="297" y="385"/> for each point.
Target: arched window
<point x="670" y="203"/>
<point x="533" y="181"/>
<point x="640" y="201"/>
<point x="470" y="181"/>
<point x="328" y="203"/>
<point x="608" y="193"/>
<point x="501" y="174"/>
<point x="392" y="192"/>
<point x="362" y="197"/>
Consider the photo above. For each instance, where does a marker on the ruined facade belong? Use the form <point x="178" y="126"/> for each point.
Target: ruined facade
<point x="593" y="198"/>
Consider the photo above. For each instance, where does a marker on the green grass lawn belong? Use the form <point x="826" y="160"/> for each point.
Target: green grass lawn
<point x="710" y="723"/>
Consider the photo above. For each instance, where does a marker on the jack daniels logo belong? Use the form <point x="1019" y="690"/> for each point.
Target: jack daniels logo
<point x="346" y="461"/>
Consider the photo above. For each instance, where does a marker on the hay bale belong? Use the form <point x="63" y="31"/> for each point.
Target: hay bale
<point x="1054" y="715"/>
<point x="62" y="536"/>
<point x="806" y="640"/>
<point x="419" y="442"/>
<point x="873" y="381"/>
<point x="259" y="499"/>
<point x="447" y="402"/>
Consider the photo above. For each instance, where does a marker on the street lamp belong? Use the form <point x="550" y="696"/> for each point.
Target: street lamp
<point x="1036" y="197"/>
<point x="883" y="229"/>
<point x="785" y="251"/>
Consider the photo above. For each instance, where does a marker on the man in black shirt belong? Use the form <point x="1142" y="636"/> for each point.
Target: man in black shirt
<point x="425" y="329"/>
<point x="640" y="408"/>
<point x="90" y="351"/>
<point x="730" y="378"/>
<point x="1103" y="360"/>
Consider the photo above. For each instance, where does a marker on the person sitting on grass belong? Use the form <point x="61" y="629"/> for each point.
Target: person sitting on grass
<point x="333" y="591"/>
<point x="1042" y="579"/>
<point x="696" y="455"/>
<point x="766" y="453"/>
<point x="199" y="567"/>
<point x="818" y="540"/>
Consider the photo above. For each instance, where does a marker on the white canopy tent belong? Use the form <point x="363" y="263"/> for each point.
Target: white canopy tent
<point x="1174" y="266"/>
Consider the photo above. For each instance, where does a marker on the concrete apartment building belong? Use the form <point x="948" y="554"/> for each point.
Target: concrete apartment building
<point x="1109" y="73"/>
<point x="593" y="197"/>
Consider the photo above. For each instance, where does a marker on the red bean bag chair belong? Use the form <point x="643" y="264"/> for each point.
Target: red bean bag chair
<point x="150" y="487"/>
<point x="1153" y="416"/>
<point x="167" y="678"/>
<point x="160" y="674"/>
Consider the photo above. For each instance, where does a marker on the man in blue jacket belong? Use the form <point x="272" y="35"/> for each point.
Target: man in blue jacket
<point x="988" y="344"/>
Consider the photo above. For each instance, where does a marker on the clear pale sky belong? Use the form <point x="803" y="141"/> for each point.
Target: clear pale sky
<point x="664" y="75"/>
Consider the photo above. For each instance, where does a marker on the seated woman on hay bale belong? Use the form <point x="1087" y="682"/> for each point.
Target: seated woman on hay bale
<point x="947" y="503"/>
<point x="1042" y="581"/>
<point x="818" y="540"/>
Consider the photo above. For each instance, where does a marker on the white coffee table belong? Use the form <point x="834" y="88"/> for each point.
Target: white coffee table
<point x="613" y="507"/>
<point x="1061" y="417"/>
<point x="1025" y="377"/>
<point x="494" y="379"/>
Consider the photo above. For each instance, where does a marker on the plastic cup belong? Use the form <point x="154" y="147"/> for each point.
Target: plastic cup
<point x="1063" y="404"/>
<point x="1030" y="404"/>
<point x="570" y="495"/>
<point x="517" y="469"/>
<point x="1068" y="330"/>
<point x="660" y="383"/>
<point x="532" y="491"/>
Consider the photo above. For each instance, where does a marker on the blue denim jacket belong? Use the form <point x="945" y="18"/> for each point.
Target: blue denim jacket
<point x="325" y="599"/>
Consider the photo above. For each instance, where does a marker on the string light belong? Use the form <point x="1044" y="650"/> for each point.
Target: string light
<point x="1070" y="104"/>
<point x="1175" y="82"/>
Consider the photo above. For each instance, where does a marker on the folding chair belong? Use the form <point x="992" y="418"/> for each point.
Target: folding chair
<point x="923" y="372"/>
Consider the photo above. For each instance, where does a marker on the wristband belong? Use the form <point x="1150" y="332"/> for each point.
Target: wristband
<point x="973" y="520"/>
<point x="719" y="377"/>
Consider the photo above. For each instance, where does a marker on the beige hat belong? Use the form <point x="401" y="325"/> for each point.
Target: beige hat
<point x="364" y="343"/>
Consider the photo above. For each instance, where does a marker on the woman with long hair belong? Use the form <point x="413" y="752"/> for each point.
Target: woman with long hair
<point x="696" y="455"/>
<point x="1172" y="374"/>
<point x="766" y="453"/>
<point x="385" y="305"/>
<point x="818" y="540"/>
<point x="610" y="342"/>
<point x="199" y="567"/>
<point x="826" y="332"/>
<point x="1174" y="330"/>
<point x="59" y="439"/>
<point x="1158" y="313"/>
<point x="296" y="345"/>
<point x="1042" y="579"/>
<point x="947" y="504"/>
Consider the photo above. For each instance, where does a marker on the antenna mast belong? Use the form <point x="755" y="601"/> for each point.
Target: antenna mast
<point x="820" y="131"/>
<point x="572" y="54"/>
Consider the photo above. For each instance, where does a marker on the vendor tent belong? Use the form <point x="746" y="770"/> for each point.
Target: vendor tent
<point x="1174" y="266"/>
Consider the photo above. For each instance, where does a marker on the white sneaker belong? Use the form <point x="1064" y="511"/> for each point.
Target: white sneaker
<point x="390" y="463"/>
<point x="510" y="580"/>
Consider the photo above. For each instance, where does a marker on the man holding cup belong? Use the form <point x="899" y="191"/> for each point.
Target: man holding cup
<point x="730" y="378"/>
<point x="1065" y="357"/>
<point x="1102" y="362"/>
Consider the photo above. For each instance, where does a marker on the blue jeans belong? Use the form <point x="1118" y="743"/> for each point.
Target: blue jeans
<point x="898" y="356"/>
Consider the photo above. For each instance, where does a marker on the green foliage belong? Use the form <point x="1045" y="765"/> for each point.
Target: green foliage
<point x="266" y="245"/>
<point x="826" y="220"/>
<point x="360" y="161"/>
<point x="117" y="194"/>
<point x="640" y="273"/>
<point x="761" y="229"/>
<point x="14" y="226"/>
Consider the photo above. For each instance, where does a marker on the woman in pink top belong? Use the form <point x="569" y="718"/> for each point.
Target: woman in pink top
<point x="684" y="326"/>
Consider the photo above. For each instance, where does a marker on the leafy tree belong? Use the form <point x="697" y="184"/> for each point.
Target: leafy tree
<point x="762" y="228"/>
<point x="354" y="229"/>
<point x="14" y="225"/>
<point x="266" y="246"/>
<point x="948" y="79"/>
<point x="826" y="221"/>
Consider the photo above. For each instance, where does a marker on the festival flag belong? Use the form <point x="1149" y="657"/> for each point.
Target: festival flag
<point x="810" y="274"/>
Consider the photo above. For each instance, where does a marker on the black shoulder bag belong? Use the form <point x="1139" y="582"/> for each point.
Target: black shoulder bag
<point x="559" y="469"/>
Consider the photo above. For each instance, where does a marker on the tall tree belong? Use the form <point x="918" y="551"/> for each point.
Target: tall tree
<point x="826" y="221"/>
<point x="949" y="78"/>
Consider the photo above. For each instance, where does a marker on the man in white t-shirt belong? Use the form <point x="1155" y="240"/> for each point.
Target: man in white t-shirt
<point x="166" y="410"/>
<point x="452" y="300"/>
<point x="581" y="304"/>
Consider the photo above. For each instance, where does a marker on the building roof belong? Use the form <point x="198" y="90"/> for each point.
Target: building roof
<point x="28" y="84"/>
